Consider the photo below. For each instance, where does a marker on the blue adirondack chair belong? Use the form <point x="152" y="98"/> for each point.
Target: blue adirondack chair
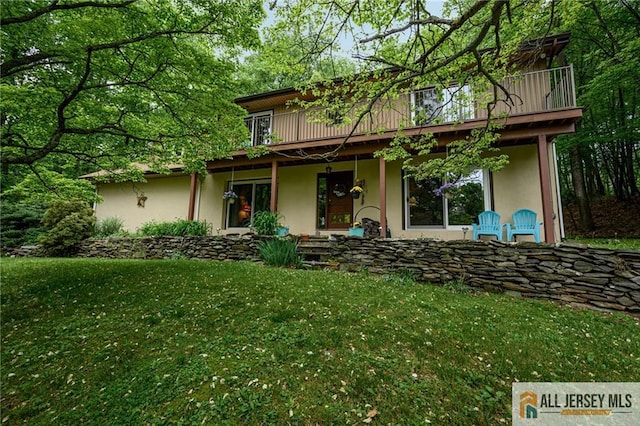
<point x="489" y="224"/>
<point x="524" y="223"/>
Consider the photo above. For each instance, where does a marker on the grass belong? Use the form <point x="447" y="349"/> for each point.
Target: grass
<point x="610" y="243"/>
<point x="174" y="342"/>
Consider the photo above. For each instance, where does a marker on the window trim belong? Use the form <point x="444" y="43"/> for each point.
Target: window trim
<point x="414" y="109"/>
<point x="487" y="198"/>
<point x="449" y="108"/>
<point x="254" y="116"/>
<point x="227" y="207"/>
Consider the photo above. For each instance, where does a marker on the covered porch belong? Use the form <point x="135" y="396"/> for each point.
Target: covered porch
<point x="300" y="174"/>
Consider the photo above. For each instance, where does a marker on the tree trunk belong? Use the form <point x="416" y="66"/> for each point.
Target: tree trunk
<point x="577" y="176"/>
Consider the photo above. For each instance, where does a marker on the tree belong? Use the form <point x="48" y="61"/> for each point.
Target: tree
<point x="607" y="144"/>
<point x="270" y="68"/>
<point x="112" y="83"/>
<point x="400" y="45"/>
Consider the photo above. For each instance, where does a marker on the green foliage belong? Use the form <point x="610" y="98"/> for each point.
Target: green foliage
<point x="265" y="223"/>
<point x="610" y="243"/>
<point x="177" y="228"/>
<point x="67" y="224"/>
<point x="20" y="224"/>
<point x="108" y="227"/>
<point x="466" y="204"/>
<point x="459" y="287"/>
<point x="109" y="83"/>
<point x="49" y="186"/>
<point x="269" y="69"/>
<point x="402" y="276"/>
<point x="606" y="145"/>
<point x="280" y="252"/>
<point x="398" y="52"/>
<point x="463" y="155"/>
<point x="183" y="342"/>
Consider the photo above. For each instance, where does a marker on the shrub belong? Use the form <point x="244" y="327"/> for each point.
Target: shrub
<point x="280" y="252"/>
<point x="67" y="224"/>
<point x="177" y="228"/>
<point x="20" y="223"/>
<point x="459" y="287"/>
<point x="402" y="276"/>
<point x="108" y="227"/>
<point x="265" y="223"/>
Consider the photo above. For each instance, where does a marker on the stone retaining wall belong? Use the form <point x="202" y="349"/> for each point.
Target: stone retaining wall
<point x="584" y="276"/>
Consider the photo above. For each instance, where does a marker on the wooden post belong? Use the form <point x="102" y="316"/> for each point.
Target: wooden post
<point x="192" y="196"/>
<point x="383" y="198"/>
<point x="274" y="186"/>
<point x="545" y="186"/>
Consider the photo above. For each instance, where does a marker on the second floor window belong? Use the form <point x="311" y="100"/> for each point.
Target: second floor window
<point x="259" y="126"/>
<point x="433" y="106"/>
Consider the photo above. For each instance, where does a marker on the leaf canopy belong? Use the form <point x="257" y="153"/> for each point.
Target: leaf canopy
<point x="110" y="83"/>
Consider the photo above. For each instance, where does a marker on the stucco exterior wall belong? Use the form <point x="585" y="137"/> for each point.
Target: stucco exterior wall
<point x="515" y="187"/>
<point x="167" y="199"/>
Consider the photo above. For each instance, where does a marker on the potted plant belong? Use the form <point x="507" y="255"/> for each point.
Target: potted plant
<point x="356" y="191"/>
<point x="356" y="230"/>
<point x="230" y="197"/>
<point x="265" y="223"/>
<point x="282" y="230"/>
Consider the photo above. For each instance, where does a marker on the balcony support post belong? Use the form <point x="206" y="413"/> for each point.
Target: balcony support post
<point x="545" y="187"/>
<point x="274" y="185"/>
<point x="192" y="196"/>
<point x="383" y="197"/>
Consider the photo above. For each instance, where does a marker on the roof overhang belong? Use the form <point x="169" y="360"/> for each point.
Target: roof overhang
<point x="111" y="175"/>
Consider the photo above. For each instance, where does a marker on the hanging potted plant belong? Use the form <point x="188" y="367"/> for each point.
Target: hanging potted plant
<point x="356" y="191"/>
<point x="230" y="197"/>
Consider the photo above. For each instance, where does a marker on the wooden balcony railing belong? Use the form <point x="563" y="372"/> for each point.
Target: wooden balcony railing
<point x="532" y="92"/>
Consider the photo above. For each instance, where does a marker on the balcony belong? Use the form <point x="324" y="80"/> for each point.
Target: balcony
<point x="532" y="92"/>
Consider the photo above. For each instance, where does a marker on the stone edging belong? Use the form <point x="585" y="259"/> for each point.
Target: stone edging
<point x="596" y="278"/>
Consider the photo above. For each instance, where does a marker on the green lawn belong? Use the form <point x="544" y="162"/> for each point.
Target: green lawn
<point x="609" y="243"/>
<point x="166" y="342"/>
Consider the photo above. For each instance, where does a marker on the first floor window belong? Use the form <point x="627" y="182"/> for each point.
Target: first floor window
<point x="253" y="197"/>
<point x="438" y="204"/>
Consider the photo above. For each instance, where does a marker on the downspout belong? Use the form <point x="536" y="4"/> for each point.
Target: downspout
<point x="95" y="202"/>
<point x="558" y="192"/>
<point x="192" y="196"/>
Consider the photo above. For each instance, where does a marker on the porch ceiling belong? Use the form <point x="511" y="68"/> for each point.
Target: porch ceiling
<point x="518" y="130"/>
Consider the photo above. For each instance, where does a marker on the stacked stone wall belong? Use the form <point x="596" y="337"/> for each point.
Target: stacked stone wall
<point x="577" y="274"/>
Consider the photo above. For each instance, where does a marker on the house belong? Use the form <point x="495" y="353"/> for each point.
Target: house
<point x="312" y="193"/>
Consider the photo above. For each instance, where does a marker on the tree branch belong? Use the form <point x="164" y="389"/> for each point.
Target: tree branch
<point x="56" y="6"/>
<point x="431" y="20"/>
